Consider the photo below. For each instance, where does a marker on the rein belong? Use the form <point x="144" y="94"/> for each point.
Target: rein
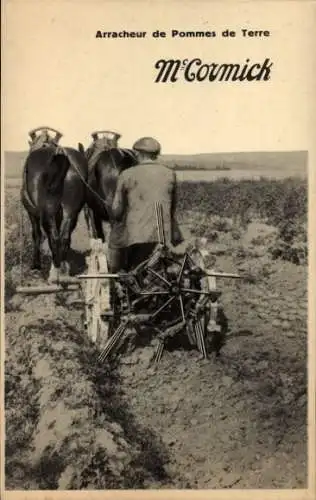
<point x="21" y="245"/>
<point x="89" y="187"/>
<point x="87" y="184"/>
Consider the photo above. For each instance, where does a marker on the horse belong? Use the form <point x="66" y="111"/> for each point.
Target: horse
<point x="53" y="194"/>
<point x="102" y="183"/>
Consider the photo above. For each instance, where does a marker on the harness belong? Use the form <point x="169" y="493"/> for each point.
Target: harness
<point x="38" y="144"/>
<point x="94" y="152"/>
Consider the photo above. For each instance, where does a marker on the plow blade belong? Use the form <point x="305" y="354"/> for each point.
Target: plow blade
<point x="200" y="339"/>
<point x="159" y="351"/>
<point x="112" y="342"/>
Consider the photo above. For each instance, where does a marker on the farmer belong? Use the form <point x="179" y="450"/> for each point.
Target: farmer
<point x="134" y="232"/>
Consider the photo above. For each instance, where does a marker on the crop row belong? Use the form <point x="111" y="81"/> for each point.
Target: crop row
<point x="272" y="200"/>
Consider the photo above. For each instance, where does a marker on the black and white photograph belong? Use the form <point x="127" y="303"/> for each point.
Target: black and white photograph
<point x="156" y="248"/>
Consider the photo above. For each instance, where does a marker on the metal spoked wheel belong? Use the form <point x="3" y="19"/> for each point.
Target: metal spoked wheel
<point x="169" y="294"/>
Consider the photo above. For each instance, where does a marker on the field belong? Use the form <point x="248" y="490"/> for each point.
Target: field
<point x="236" y="422"/>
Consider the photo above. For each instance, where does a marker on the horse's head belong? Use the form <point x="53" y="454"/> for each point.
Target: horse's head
<point x="124" y="158"/>
<point x="104" y="177"/>
<point x="109" y="166"/>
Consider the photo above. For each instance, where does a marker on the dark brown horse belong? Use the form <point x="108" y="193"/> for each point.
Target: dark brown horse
<point x="53" y="194"/>
<point x="102" y="182"/>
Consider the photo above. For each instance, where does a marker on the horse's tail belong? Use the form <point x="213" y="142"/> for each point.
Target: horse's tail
<point x="56" y="173"/>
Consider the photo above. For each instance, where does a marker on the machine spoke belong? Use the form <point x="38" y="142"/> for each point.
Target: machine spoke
<point x="166" y="304"/>
<point x="182" y="307"/>
<point x="182" y="268"/>
<point x="166" y="282"/>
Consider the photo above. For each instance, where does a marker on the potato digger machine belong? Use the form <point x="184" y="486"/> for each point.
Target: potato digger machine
<point x="172" y="295"/>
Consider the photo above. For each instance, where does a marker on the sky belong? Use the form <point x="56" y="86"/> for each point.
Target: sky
<point x="57" y="73"/>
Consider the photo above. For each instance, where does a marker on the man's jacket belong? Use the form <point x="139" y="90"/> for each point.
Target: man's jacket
<point x="133" y="207"/>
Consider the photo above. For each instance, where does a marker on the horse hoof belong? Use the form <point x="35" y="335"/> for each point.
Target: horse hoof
<point x="65" y="268"/>
<point x="52" y="281"/>
<point x="53" y="276"/>
<point x="36" y="265"/>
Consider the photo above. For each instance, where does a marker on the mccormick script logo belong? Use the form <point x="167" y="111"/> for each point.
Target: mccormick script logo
<point x="195" y="70"/>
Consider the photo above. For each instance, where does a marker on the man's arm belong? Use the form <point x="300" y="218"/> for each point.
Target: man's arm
<point x="120" y="199"/>
<point x="176" y="235"/>
<point x="173" y="195"/>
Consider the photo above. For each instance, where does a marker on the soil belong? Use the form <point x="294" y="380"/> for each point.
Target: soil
<point x="237" y="421"/>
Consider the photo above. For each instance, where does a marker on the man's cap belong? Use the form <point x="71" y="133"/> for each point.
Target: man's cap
<point x="148" y="145"/>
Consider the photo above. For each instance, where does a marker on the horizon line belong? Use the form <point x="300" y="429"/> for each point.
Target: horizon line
<point x="198" y="154"/>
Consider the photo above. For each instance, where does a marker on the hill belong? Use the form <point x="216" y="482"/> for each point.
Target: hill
<point x="281" y="160"/>
<point x="288" y="161"/>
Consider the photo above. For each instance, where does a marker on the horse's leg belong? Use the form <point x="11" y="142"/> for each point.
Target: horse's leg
<point x="67" y="227"/>
<point x="97" y="227"/>
<point x="87" y="216"/>
<point x="37" y="239"/>
<point x="92" y="226"/>
<point x="108" y="229"/>
<point x="65" y="232"/>
<point x="50" y="227"/>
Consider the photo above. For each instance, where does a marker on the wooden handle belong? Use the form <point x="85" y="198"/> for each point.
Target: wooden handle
<point x="222" y="275"/>
<point x="42" y="289"/>
<point x="68" y="280"/>
<point x="98" y="276"/>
